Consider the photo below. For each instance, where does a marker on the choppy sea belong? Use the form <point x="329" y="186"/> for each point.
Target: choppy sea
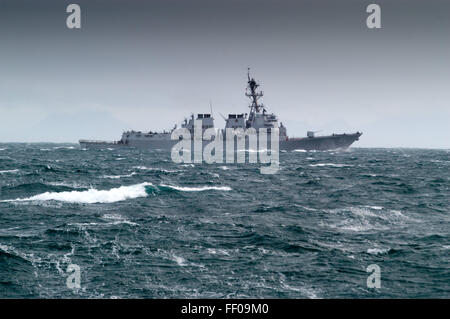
<point x="140" y="226"/>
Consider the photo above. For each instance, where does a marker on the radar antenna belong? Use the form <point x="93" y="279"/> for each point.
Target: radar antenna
<point x="253" y="95"/>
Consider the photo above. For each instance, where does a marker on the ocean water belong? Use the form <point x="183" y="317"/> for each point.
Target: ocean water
<point x="140" y="226"/>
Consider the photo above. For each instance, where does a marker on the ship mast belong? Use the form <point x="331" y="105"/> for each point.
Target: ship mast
<point x="253" y="95"/>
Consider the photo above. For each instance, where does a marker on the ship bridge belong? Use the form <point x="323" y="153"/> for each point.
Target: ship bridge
<point x="206" y="119"/>
<point x="235" y="121"/>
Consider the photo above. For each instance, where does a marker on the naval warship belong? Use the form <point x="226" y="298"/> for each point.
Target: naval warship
<point x="257" y="118"/>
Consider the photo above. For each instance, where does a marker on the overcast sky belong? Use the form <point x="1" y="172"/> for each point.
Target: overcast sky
<point x="145" y="65"/>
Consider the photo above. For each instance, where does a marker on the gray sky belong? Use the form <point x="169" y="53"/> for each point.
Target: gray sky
<point x="146" y="65"/>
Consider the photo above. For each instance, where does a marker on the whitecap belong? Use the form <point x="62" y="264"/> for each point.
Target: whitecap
<point x="9" y="171"/>
<point x="377" y="251"/>
<point x="145" y="168"/>
<point x="363" y="211"/>
<point x="92" y="196"/>
<point x="362" y="227"/>
<point x="118" y="219"/>
<point x="213" y="251"/>
<point x="119" y="176"/>
<point x="179" y="260"/>
<point x="439" y="161"/>
<point x="375" y="207"/>
<point x="306" y="207"/>
<point x="64" y="147"/>
<point x="329" y="164"/>
<point x="198" y="189"/>
<point x="307" y="291"/>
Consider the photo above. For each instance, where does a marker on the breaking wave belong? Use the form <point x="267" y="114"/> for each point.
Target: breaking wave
<point x="92" y="196"/>
<point x="197" y="189"/>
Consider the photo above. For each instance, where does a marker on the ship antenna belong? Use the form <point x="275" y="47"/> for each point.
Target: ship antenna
<point x="253" y="95"/>
<point x="210" y="106"/>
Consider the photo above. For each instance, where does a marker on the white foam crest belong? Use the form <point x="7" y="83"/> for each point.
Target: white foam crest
<point x="308" y="292"/>
<point x="375" y="207"/>
<point x="363" y="212"/>
<point x="145" y="168"/>
<point x="92" y="196"/>
<point x="198" y="189"/>
<point x="361" y="227"/>
<point x="179" y="260"/>
<point x="141" y="167"/>
<point x="306" y="207"/>
<point x="64" y="147"/>
<point x="119" y="176"/>
<point x="9" y="171"/>
<point x="329" y="164"/>
<point x="118" y="219"/>
<point x="377" y="251"/>
<point x="439" y="161"/>
<point x="218" y="251"/>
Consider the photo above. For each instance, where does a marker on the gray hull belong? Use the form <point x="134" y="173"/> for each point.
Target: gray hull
<point x="320" y="143"/>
